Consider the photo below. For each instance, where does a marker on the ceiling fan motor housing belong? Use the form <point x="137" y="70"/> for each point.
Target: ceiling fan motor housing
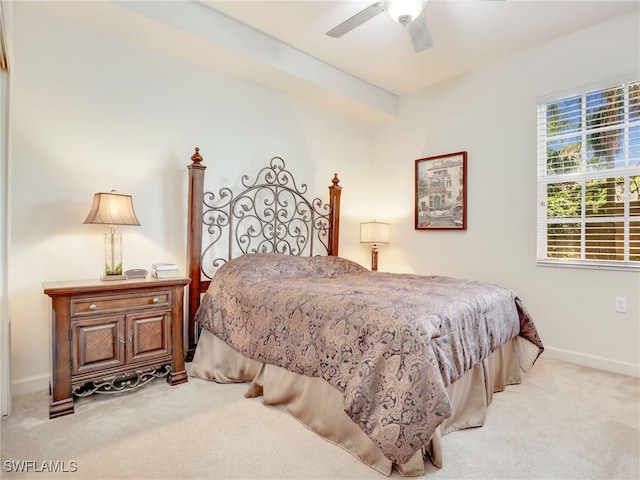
<point x="404" y="11"/>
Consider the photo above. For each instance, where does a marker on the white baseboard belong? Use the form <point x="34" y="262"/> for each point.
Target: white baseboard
<point x="593" y="361"/>
<point x="29" y="385"/>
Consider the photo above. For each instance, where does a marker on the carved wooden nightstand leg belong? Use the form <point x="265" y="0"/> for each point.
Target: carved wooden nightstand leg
<point x="176" y="378"/>
<point x="60" y="408"/>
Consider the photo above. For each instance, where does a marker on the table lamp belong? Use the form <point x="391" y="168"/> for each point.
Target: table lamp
<point x="112" y="209"/>
<point x="375" y="233"/>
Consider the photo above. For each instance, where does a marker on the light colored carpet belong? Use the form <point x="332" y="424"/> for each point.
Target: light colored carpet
<point x="563" y="422"/>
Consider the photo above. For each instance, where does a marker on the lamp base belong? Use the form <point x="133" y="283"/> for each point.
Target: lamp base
<point x="113" y="277"/>
<point x="374" y="258"/>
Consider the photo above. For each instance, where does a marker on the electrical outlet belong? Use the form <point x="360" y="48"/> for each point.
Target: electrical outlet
<point x="621" y="304"/>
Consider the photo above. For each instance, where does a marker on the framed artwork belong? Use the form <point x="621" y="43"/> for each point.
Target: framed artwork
<point x="441" y="192"/>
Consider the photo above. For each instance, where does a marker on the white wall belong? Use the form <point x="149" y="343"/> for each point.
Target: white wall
<point x="94" y="113"/>
<point x="491" y="113"/>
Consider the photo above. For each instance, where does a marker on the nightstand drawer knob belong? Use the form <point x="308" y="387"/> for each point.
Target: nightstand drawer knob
<point x="155" y="300"/>
<point x="92" y="306"/>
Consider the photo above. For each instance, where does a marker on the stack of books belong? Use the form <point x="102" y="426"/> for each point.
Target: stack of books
<point x="165" y="270"/>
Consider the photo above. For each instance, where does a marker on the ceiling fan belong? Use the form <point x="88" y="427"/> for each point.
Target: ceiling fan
<point x="409" y="13"/>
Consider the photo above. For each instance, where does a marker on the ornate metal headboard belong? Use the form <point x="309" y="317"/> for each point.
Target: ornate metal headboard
<point x="270" y="213"/>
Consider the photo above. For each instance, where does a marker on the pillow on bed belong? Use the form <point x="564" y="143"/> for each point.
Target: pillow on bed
<point x="264" y="266"/>
<point x="328" y="266"/>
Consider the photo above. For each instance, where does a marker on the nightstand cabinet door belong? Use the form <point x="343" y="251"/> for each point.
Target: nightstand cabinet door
<point x="149" y="336"/>
<point x="97" y="344"/>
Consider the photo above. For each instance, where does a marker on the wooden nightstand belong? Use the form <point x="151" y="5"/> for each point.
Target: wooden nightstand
<point x="111" y="336"/>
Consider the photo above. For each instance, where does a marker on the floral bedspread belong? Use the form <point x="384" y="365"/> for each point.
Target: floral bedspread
<point x="391" y="343"/>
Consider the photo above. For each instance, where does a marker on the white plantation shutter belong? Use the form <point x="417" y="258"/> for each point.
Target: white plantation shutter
<point x="589" y="178"/>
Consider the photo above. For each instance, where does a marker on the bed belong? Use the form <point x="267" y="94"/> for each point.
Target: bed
<point x="380" y="364"/>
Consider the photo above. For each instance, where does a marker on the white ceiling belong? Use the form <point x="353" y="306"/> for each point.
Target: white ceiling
<point x="466" y="34"/>
<point x="282" y="45"/>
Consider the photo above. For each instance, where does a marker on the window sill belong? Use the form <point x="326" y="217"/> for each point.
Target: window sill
<point x="619" y="266"/>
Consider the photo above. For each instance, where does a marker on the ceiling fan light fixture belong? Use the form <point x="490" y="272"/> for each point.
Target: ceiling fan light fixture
<point x="404" y="11"/>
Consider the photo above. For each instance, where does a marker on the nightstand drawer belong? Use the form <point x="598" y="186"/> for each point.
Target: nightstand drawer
<point x="115" y="303"/>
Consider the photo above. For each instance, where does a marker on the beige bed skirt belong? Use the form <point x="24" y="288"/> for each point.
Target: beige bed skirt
<point x="318" y="405"/>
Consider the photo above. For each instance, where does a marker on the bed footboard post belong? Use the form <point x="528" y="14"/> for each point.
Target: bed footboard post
<point x="334" y="224"/>
<point x="194" y="247"/>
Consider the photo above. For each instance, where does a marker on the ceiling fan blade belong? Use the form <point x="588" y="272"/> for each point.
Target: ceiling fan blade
<point x="357" y="20"/>
<point x="419" y="33"/>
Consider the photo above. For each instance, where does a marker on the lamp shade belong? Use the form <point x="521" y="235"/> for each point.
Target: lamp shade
<point x="112" y="209"/>
<point x="374" y="232"/>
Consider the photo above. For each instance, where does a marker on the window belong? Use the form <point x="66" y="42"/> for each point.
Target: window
<point x="589" y="178"/>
